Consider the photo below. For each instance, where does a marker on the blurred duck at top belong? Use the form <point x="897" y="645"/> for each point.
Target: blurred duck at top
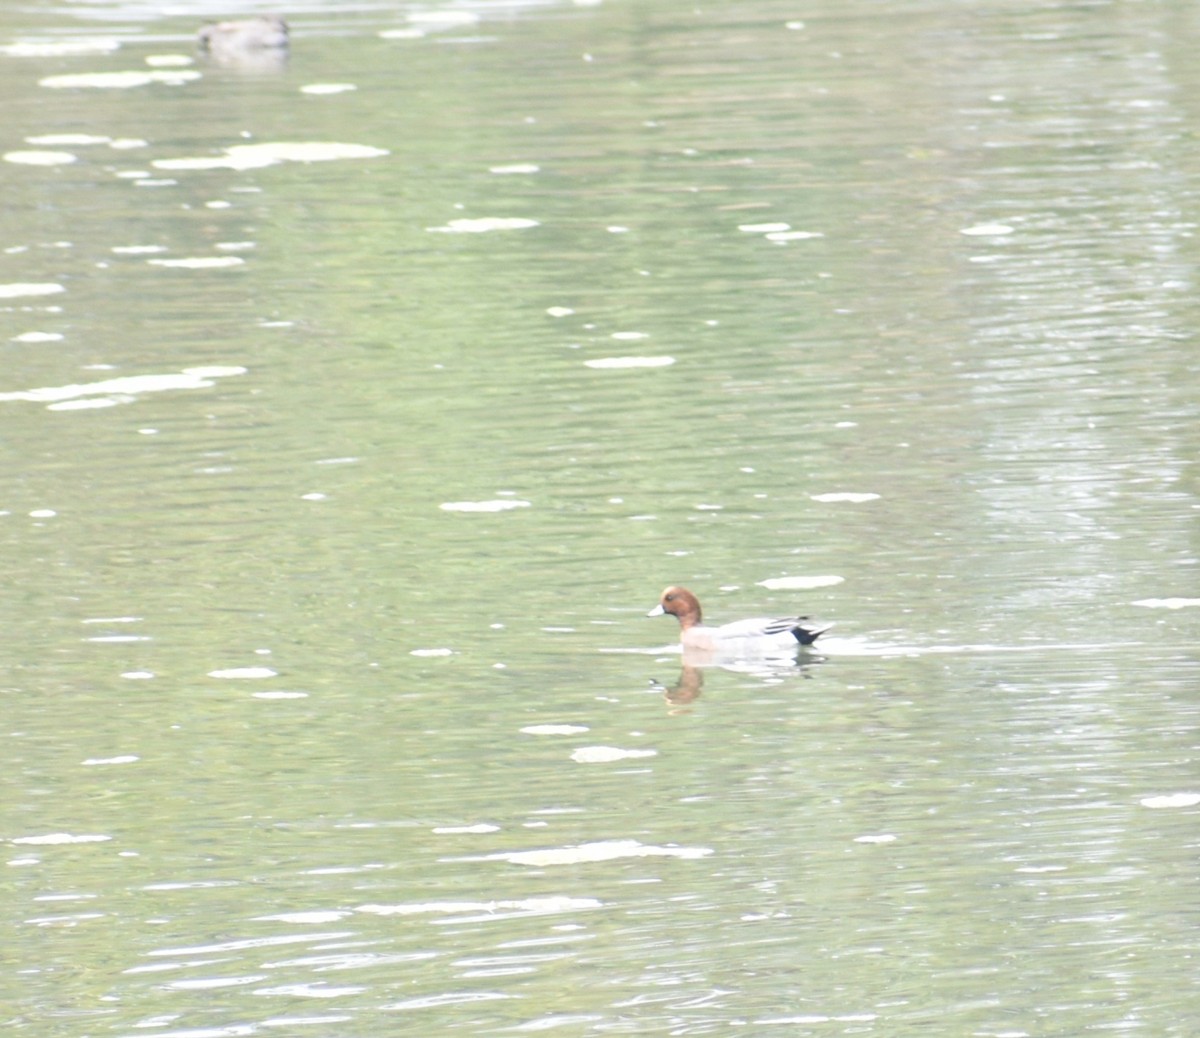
<point x="259" y="43"/>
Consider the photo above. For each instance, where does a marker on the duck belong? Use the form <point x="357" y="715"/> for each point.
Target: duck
<point x="756" y="637"/>
<point x="246" y="41"/>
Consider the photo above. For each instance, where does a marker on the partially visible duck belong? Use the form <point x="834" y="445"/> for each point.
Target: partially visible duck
<point x="757" y="637"/>
<point x="260" y="41"/>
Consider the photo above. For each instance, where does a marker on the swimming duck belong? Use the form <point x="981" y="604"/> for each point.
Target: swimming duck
<point x="246" y="41"/>
<point x="757" y="637"/>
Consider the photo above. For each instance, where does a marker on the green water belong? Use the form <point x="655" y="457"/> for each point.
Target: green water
<point x="907" y="292"/>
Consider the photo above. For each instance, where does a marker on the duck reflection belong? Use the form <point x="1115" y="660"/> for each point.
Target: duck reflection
<point x="258" y="44"/>
<point x="687" y="689"/>
<point x="690" y="683"/>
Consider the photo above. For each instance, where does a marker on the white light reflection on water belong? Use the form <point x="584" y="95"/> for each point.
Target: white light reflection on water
<point x="484" y="224"/>
<point x="554" y="729"/>
<point x="601" y="850"/>
<point x="39" y="158"/>
<point x="1171" y="800"/>
<point x="199" y="262"/>
<point x="312" y="990"/>
<point x="119" y="80"/>
<point x="463" y="830"/>
<point x="245" y="943"/>
<point x="58" y="839"/>
<point x="620" y="363"/>
<point x="499" y="909"/>
<point x="125" y="388"/>
<point x="243" y="673"/>
<point x="214" y="983"/>
<point x="845" y="497"/>
<point x="800" y="583"/>
<point x="607" y="754"/>
<point x="454" y="999"/>
<point x="68" y="139"/>
<point x="18" y="289"/>
<point x="516" y="167"/>
<point x="35" y="337"/>
<point x="41" y="48"/>
<point x="257" y="156"/>
<point x="327" y="89"/>
<point x="496" y="505"/>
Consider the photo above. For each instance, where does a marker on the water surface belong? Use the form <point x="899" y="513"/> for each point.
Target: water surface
<point x="338" y="481"/>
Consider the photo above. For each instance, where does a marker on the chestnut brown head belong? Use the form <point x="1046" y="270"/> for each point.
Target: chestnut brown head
<point x="681" y="603"/>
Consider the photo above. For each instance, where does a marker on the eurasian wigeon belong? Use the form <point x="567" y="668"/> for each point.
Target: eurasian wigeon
<point x="757" y="637"/>
<point x="262" y="40"/>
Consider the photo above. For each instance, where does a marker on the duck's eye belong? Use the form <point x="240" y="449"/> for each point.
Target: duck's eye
<point x="669" y="598"/>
